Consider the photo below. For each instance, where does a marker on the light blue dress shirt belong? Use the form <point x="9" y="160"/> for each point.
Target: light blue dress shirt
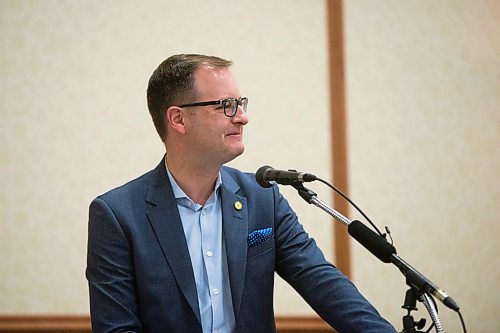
<point x="203" y="230"/>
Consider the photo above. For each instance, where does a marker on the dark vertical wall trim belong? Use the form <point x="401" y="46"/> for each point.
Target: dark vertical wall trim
<point x="338" y="129"/>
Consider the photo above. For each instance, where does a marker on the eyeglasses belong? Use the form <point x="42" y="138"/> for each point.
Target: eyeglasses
<point x="230" y="105"/>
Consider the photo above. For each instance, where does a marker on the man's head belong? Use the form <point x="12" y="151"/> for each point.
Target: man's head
<point x="172" y="83"/>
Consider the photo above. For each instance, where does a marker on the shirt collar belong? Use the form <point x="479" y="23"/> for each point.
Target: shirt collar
<point x="179" y="193"/>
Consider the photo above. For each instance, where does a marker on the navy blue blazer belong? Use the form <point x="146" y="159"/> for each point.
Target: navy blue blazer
<point x="140" y="274"/>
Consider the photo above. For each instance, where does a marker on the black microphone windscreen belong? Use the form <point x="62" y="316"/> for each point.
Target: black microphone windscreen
<point x="260" y="176"/>
<point x="373" y="242"/>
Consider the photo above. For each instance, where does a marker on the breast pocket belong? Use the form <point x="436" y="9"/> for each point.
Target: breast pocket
<point x="266" y="247"/>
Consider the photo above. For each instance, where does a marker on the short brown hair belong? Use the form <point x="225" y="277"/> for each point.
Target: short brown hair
<point x="173" y="83"/>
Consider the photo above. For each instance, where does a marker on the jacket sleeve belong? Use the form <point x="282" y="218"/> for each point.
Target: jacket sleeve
<point x="113" y="304"/>
<point x="301" y="263"/>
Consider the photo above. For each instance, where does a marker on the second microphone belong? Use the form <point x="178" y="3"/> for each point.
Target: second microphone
<point x="267" y="174"/>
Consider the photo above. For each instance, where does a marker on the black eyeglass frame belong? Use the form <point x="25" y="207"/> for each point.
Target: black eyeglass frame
<point x="234" y="102"/>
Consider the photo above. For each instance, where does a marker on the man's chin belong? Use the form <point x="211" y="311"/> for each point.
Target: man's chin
<point x="233" y="153"/>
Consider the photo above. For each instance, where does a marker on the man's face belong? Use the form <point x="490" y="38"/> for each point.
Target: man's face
<point x="214" y="137"/>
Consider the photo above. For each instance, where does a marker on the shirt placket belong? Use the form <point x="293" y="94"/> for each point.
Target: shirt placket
<point x="211" y="234"/>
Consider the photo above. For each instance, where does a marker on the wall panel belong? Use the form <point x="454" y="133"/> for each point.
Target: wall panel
<point x="424" y="126"/>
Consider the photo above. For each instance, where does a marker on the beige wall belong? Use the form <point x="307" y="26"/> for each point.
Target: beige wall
<point x="423" y="83"/>
<point x="423" y="111"/>
<point x="74" y="122"/>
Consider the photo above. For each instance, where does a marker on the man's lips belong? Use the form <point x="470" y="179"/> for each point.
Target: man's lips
<point x="234" y="134"/>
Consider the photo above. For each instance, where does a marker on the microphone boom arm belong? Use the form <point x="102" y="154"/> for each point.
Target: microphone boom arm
<point x="414" y="279"/>
<point x="312" y="198"/>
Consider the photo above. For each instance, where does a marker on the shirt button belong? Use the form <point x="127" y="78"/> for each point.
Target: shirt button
<point x="210" y="253"/>
<point x="203" y="212"/>
<point x="215" y="291"/>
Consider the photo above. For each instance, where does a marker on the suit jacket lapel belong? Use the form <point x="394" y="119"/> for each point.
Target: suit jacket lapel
<point x="166" y="222"/>
<point x="235" y="230"/>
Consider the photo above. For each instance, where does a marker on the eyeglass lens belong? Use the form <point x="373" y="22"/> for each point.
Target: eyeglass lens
<point x="231" y="105"/>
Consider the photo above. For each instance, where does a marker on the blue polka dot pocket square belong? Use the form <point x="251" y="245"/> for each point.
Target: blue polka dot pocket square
<point x="258" y="236"/>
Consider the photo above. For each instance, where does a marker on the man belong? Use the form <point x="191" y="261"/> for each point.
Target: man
<point x="192" y="246"/>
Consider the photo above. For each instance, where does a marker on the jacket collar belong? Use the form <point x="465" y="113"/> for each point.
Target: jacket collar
<point x="166" y="223"/>
<point x="235" y="232"/>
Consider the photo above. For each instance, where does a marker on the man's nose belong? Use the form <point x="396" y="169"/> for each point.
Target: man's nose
<point x="240" y="116"/>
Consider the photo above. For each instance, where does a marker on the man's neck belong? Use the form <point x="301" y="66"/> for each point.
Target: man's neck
<point x="197" y="182"/>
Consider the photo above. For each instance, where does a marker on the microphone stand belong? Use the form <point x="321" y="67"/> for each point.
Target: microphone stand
<point x="420" y="286"/>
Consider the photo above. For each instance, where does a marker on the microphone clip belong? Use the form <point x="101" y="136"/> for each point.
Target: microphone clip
<point x="303" y="191"/>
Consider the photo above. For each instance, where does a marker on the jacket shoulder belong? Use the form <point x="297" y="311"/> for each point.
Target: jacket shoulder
<point x="130" y="189"/>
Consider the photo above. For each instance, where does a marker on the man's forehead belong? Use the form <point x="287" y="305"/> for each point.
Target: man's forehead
<point x="210" y="71"/>
<point x="216" y="82"/>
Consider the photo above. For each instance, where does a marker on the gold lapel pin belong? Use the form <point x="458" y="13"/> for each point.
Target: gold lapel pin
<point x="238" y="205"/>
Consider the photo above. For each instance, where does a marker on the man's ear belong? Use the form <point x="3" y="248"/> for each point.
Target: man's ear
<point x="175" y="119"/>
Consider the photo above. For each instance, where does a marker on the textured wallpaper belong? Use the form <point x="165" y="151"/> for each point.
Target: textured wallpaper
<point x="423" y="83"/>
<point x="423" y="120"/>
<point x="74" y="121"/>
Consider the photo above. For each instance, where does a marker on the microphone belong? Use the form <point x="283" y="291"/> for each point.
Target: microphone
<point x="267" y="174"/>
<point x="379" y="247"/>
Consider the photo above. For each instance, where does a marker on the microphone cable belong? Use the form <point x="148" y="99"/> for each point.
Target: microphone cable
<point x="462" y="322"/>
<point x="352" y="203"/>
